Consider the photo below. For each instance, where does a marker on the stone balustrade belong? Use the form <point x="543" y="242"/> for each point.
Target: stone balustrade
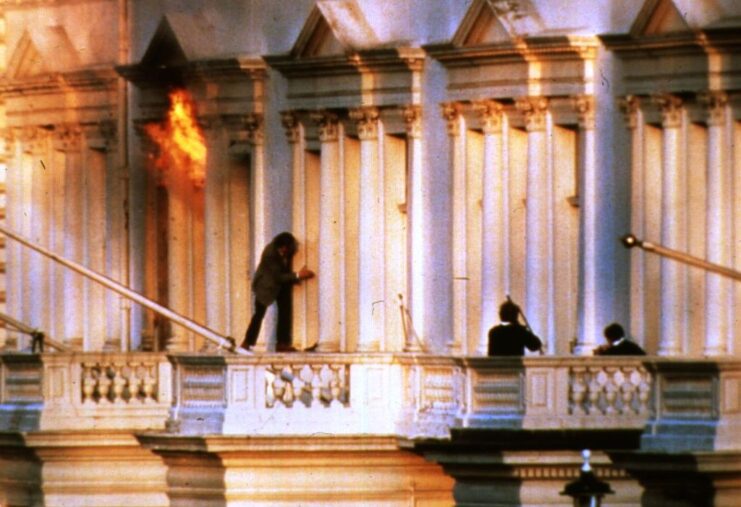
<point x="677" y="404"/>
<point x="127" y="391"/>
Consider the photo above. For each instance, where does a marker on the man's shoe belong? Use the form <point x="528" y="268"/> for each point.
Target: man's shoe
<point x="285" y="348"/>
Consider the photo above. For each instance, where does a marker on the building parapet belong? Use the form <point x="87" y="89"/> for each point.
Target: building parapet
<point x="677" y="404"/>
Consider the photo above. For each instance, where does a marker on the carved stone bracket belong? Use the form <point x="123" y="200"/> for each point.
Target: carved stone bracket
<point x="584" y="106"/>
<point x="367" y="122"/>
<point x="451" y="112"/>
<point x="671" y="109"/>
<point x="412" y="116"/>
<point x="630" y="105"/>
<point x="490" y="114"/>
<point x="535" y="110"/>
<point x="328" y="125"/>
<point x="715" y="104"/>
<point x="100" y="135"/>
<point x="292" y="126"/>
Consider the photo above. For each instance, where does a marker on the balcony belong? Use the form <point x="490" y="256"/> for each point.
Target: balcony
<point x="676" y="405"/>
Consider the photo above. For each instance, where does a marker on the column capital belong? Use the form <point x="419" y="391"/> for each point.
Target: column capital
<point x="584" y="106"/>
<point x="8" y="140"/>
<point x="412" y="116"/>
<point x="328" y="125"/>
<point x="490" y="115"/>
<point x="535" y="110"/>
<point x="715" y="104"/>
<point x="255" y="126"/>
<point x="292" y="126"/>
<point x="366" y="119"/>
<point x="33" y="138"/>
<point x="451" y="112"/>
<point x="100" y="135"/>
<point x="671" y="109"/>
<point x="630" y="106"/>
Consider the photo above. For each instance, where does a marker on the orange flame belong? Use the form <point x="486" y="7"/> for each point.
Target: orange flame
<point x="180" y="141"/>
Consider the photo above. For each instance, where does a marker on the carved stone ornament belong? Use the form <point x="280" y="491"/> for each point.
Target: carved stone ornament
<point x="67" y="137"/>
<point x="490" y="115"/>
<point x="451" y="112"/>
<point x="412" y="116"/>
<point x="671" y="109"/>
<point x="630" y="105"/>
<point x="715" y="104"/>
<point x="535" y="110"/>
<point x="292" y="126"/>
<point x="366" y="119"/>
<point x="328" y="124"/>
<point x="584" y="106"/>
<point x="255" y="128"/>
<point x="33" y="139"/>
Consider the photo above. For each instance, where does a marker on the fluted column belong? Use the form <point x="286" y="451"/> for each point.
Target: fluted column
<point x="329" y="273"/>
<point x="538" y="247"/>
<point x="589" y="303"/>
<point x="294" y="136"/>
<point x="418" y="214"/>
<point x="455" y="124"/>
<point x="631" y="110"/>
<point x="673" y="227"/>
<point x="371" y="308"/>
<point x="718" y="225"/>
<point x="260" y="204"/>
<point x="493" y="230"/>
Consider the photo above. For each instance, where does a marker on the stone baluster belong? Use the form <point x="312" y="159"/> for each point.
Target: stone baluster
<point x="718" y="225"/>
<point x="493" y="224"/>
<point x="539" y="304"/>
<point x="673" y="227"/>
<point x="331" y="257"/>
<point x="456" y="125"/>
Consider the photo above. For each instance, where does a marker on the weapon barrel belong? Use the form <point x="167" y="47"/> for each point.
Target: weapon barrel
<point x="630" y="241"/>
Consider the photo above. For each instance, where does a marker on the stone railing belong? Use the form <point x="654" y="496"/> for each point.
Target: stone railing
<point x="84" y="391"/>
<point x="677" y="404"/>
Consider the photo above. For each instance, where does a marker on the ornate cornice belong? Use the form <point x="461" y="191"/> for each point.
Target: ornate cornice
<point x="716" y="107"/>
<point x="490" y="114"/>
<point x="366" y="119"/>
<point x="630" y="106"/>
<point x="584" y="106"/>
<point x="412" y="116"/>
<point x="671" y="109"/>
<point x="92" y="80"/>
<point x="292" y="126"/>
<point x="451" y="112"/>
<point x="535" y="110"/>
<point x="328" y="124"/>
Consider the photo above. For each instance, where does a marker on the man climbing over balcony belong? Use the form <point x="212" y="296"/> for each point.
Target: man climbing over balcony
<point x="618" y="345"/>
<point x="273" y="282"/>
<point x="510" y="338"/>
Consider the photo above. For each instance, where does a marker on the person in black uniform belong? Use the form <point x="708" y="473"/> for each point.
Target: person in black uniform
<point x="619" y="345"/>
<point x="272" y="282"/>
<point x="510" y="338"/>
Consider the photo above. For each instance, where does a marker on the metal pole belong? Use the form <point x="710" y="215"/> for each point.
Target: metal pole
<point x="222" y="341"/>
<point x="631" y="241"/>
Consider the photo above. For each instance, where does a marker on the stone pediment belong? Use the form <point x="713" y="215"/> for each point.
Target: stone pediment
<point x="496" y="21"/>
<point x="658" y="17"/>
<point x="334" y="28"/>
<point x="42" y="51"/>
<point x="178" y="39"/>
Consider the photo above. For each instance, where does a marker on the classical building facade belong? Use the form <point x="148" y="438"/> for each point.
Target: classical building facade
<point x="433" y="159"/>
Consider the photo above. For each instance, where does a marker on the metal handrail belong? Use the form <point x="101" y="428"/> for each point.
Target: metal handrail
<point x="220" y="340"/>
<point x="631" y="241"/>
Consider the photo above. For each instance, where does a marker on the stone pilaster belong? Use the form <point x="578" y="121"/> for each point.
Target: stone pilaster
<point x="539" y="304"/>
<point x="718" y="224"/>
<point x="331" y="257"/>
<point x="455" y="125"/>
<point x="494" y="237"/>
<point x="371" y="306"/>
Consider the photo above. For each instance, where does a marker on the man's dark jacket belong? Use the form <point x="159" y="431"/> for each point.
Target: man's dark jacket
<point x="272" y="273"/>
<point x="511" y="340"/>
<point x="624" y="348"/>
